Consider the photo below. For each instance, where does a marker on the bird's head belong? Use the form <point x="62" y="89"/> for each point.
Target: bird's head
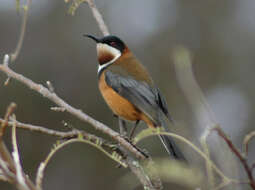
<point x="109" y="48"/>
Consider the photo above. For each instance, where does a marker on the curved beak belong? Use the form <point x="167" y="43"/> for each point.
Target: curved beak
<point x="92" y="37"/>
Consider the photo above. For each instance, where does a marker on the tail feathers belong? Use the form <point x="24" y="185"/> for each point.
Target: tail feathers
<point x="172" y="148"/>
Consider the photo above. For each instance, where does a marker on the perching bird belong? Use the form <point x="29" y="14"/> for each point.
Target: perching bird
<point x="128" y="88"/>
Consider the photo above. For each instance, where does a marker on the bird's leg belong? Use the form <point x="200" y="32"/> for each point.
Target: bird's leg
<point x="122" y="126"/>
<point x="133" y="130"/>
<point x="123" y="132"/>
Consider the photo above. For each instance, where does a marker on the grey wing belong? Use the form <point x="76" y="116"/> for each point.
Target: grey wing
<point x="163" y="105"/>
<point x="147" y="99"/>
<point x="144" y="97"/>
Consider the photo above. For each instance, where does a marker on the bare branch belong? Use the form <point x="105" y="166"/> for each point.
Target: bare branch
<point x="239" y="156"/>
<point x="50" y="86"/>
<point x="98" y="144"/>
<point x="41" y="129"/>
<point x="73" y="136"/>
<point x="9" y="167"/>
<point x="65" y="135"/>
<point x="98" y="17"/>
<point x="6" y="59"/>
<point x="143" y="177"/>
<point x="74" y="5"/>
<point x="58" y="109"/>
<point x="4" y="153"/>
<point x="22" y="32"/>
<point x="5" y="171"/>
<point x="136" y="167"/>
<point x="201" y="108"/>
<point x="40" y="175"/>
<point x="247" y="140"/>
<point x="9" y="111"/>
<point x="152" y="132"/>
<point x="15" y="154"/>
<point x="203" y="141"/>
<point x="77" y="113"/>
<point x="6" y="63"/>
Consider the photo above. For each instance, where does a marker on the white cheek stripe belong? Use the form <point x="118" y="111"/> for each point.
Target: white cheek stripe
<point x="115" y="52"/>
<point x="100" y="67"/>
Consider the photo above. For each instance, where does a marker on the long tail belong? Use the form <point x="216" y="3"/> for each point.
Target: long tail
<point x="172" y="148"/>
<point x="168" y="142"/>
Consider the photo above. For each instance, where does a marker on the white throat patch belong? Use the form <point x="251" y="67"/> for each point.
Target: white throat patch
<point x="106" y="48"/>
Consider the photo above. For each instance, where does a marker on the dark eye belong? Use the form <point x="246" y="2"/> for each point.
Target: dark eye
<point x="113" y="44"/>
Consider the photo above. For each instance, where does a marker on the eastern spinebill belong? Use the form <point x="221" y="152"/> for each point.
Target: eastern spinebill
<point x="129" y="90"/>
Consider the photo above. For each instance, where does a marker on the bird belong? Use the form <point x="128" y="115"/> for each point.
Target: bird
<point x="129" y="90"/>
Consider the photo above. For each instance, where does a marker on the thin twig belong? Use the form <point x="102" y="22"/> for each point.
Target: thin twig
<point x="59" y="134"/>
<point x="6" y="63"/>
<point x="150" y="132"/>
<point x="113" y="155"/>
<point x="6" y="171"/>
<point x="247" y="140"/>
<point x="64" y="135"/>
<point x="77" y="113"/>
<point x="242" y="159"/>
<point x="4" y="124"/>
<point x="15" y="154"/>
<point x="203" y="141"/>
<point x="200" y="106"/>
<point x="135" y="166"/>
<point x="50" y="86"/>
<point x="6" y="59"/>
<point x="98" y="17"/>
<point x="143" y="177"/>
<point x="43" y="130"/>
<point x="9" y="166"/>
<point x="22" y="32"/>
<point x="40" y="175"/>
<point x="58" y="109"/>
<point x="4" y="153"/>
<point x="131" y="162"/>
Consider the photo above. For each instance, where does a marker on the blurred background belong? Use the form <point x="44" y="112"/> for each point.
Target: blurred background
<point x="219" y="34"/>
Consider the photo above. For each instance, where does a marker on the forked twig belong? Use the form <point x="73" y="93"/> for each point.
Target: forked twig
<point x="15" y="154"/>
<point x="73" y="111"/>
<point x="239" y="155"/>
<point x="10" y="166"/>
<point x="149" y="182"/>
<point x="98" y="144"/>
<point x="247" y="140"/>
<point x="22" y="32"/>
